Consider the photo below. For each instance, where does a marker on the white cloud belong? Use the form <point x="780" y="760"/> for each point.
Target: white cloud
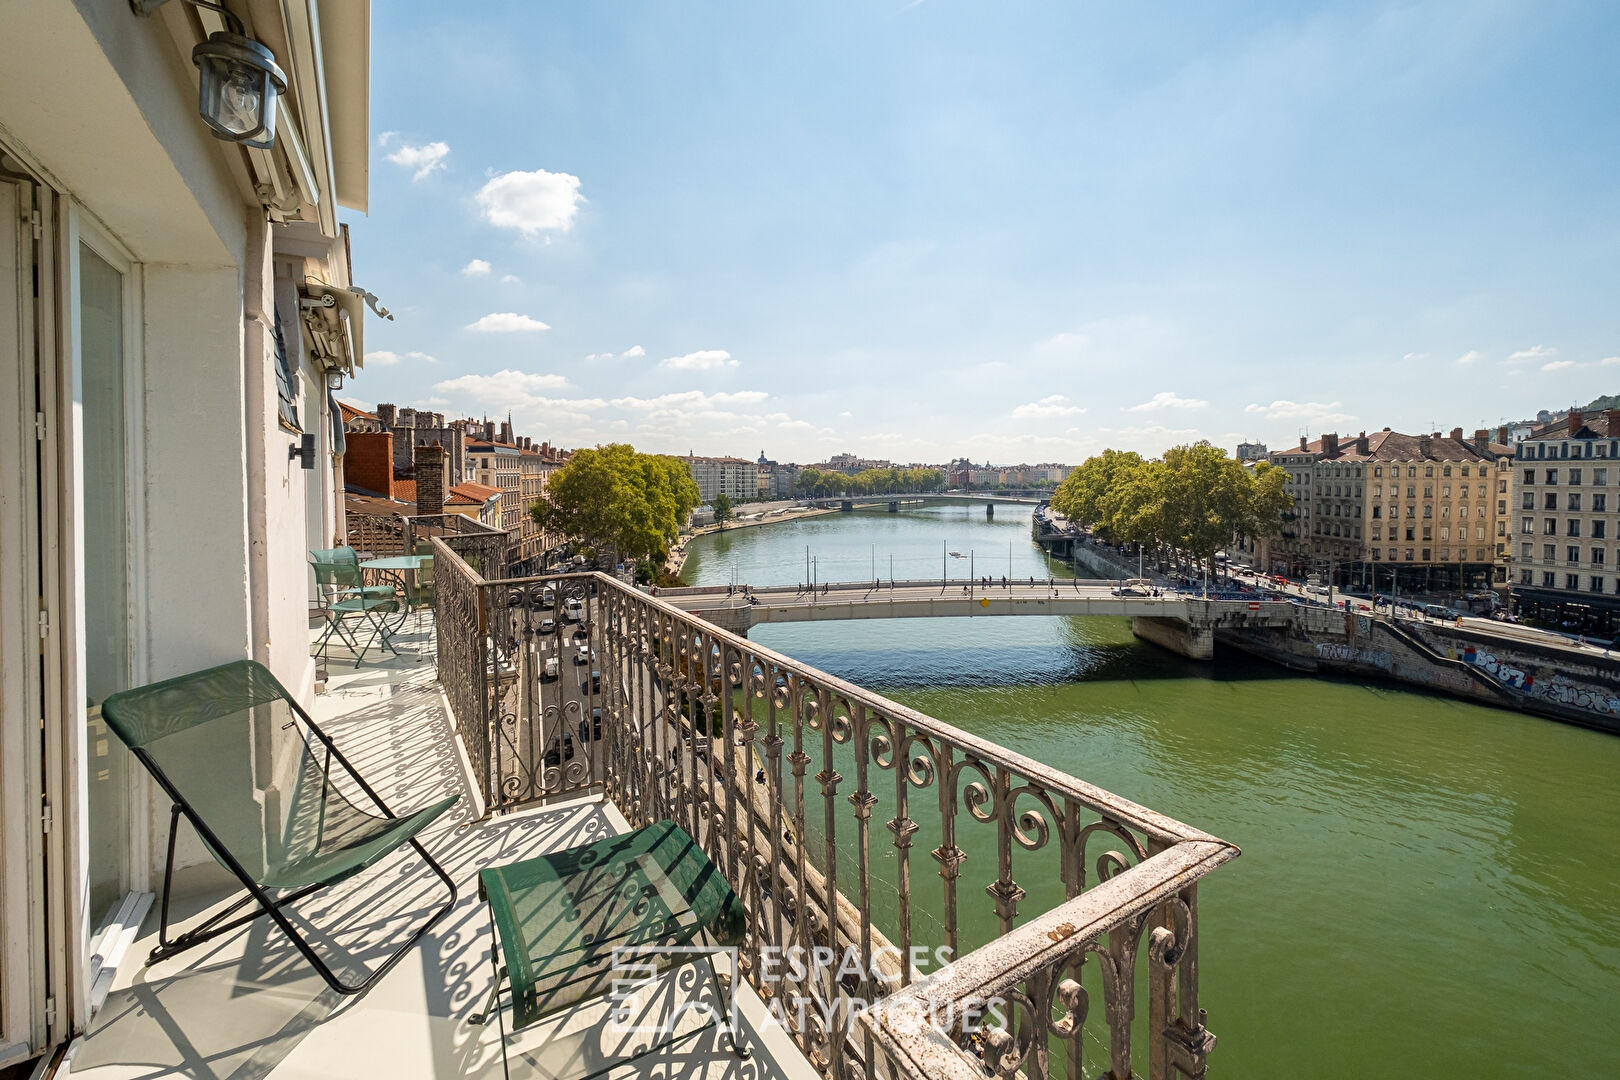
<point x="1164" y="399"/>
<point x="1051" y="405"/>
<point x="476" y="268"/>
<point x="382" y="358"/>
<point x="1472" y="356"/>
<point x="1412" y="357"/>
<point x="503" y="385"/>
<point x="511" y="279"/>
<point x="702" y="360"/>
<point x="531" y="202"/>
<point x="1560" y="365"/>
<point x="595" y="356"/>
<point x="424" y="357"/>
<point x="506" y="322"/>
<point x="634" y="351"/>
<point x="1313" y="412"/>
<point x="1609" y="361"/>
<point x="1534" y="352"/>
<point x="424" y="159"/>
<point x="845" y="415"/>
<point x="386" y="137"/>
<point x="695" y="399"/>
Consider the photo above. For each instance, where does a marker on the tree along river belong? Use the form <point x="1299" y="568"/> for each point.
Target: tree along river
<point x="1427" y="887"/>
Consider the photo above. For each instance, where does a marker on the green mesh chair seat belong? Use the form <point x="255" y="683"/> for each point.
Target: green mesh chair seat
<point x="560" y="917"/>
<point x="273" y="798"/>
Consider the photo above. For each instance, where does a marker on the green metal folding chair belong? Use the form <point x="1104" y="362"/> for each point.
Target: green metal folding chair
<point x="276" y="820"/>
<point x="344" y="597"/>
<point x="572" y="924"/>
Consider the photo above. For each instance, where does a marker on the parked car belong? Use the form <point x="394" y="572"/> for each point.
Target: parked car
<point x="548" y="626"/>
<point x="594" y="685"/>
<point x="553" y="758"/>
<point x="591" y="730"/>
<point x="573" y="609"/>
<point x="548" y="598"/>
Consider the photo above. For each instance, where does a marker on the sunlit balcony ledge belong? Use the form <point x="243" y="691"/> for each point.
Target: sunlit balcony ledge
<point x="248" y="1005"/>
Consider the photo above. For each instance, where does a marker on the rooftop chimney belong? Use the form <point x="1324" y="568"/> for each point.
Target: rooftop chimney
<point x="1302" y="442"/>
<point x="1425" y="446"/>
<point x="1575" y="419"/>
<point x="1361" y="444"/>
<point x="1482" y="441"/>
<point x="1456" y="433"/>
<point x="1330" y="444"/>
<point x="385" y="413"/>
<point x="430" y="484"/>
<point x="1502" y="434"/>
<point x="1611" y="422"/>
<point x="368" y="461"/>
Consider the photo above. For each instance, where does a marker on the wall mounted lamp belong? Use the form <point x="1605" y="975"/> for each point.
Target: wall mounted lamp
<point x="239" y="82"/>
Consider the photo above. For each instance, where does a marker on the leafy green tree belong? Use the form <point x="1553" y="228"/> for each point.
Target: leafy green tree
<point x="614" y="496"/>
<point x="722" y="509"/>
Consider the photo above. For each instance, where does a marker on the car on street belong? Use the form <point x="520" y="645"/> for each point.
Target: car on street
<point x="552" y="667"/>
<point x="1316" y="589"/>
<point x="548" y="626"/>
<point x="583" y="656"/>
<point x="573" y="609"/>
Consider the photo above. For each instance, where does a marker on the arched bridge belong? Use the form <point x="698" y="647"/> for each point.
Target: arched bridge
<point x="1180" y="622"/>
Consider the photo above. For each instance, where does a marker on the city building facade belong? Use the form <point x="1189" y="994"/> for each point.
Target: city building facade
<point x="1563" y="523"/>
<point x="1415" y="513"/>
<point x="736" y="478"/>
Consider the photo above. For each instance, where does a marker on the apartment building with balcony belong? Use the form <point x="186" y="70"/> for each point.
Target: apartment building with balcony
<point x="176" y="310"/>
<point x="1564" y="520"/>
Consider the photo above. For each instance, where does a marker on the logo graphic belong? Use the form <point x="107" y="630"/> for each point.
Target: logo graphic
<point x="652" y="992"/>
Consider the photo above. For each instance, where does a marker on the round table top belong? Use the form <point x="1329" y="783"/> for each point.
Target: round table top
<point x="398" y="562"/>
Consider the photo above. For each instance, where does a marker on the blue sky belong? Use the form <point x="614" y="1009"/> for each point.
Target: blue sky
<point x="1013" y="231"/>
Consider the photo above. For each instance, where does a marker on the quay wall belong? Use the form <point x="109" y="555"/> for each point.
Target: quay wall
<point x="1547" y="681"/>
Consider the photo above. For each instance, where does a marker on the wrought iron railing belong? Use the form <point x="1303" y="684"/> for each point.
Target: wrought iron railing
<point x="816" y="799"/>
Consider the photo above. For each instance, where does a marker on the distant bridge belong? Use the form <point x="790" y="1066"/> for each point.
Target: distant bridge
<point x="897" y="501"/>
<point x="1177" y="621"/>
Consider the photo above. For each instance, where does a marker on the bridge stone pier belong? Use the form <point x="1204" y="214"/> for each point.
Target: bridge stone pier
<point x="1196" y="642"/>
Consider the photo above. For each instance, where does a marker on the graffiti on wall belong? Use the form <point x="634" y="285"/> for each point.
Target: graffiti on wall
<point x="1557" y="690"/>
<point x="1349" y="654"/>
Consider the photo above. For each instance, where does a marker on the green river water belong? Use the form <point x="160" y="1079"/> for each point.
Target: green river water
<point x="1428" y="888"/>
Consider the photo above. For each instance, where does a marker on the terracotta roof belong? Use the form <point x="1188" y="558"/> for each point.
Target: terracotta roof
<point x="350" y="412"/>
<point x="374" y="506"/>
<point x="405" y="491"/>
<point x="474" y="494"/>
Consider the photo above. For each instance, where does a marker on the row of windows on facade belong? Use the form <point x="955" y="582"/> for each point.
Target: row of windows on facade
<point x="1572" y="501"/>
<point x="1572" y="477"/>
<point x="1572" y="582"/>
<point x="1353" y="532"/>
<point x="1572" y="527"/>
<point x="1428" y="511"/>
<point x="1572" y="554"/>
<point x="1395" y="555"/>
<point x="1540" y="450"/>
<point x="1395" y="470"/>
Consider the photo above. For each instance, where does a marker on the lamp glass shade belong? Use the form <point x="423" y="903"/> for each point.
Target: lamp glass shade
<point x="238" y="88"/>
